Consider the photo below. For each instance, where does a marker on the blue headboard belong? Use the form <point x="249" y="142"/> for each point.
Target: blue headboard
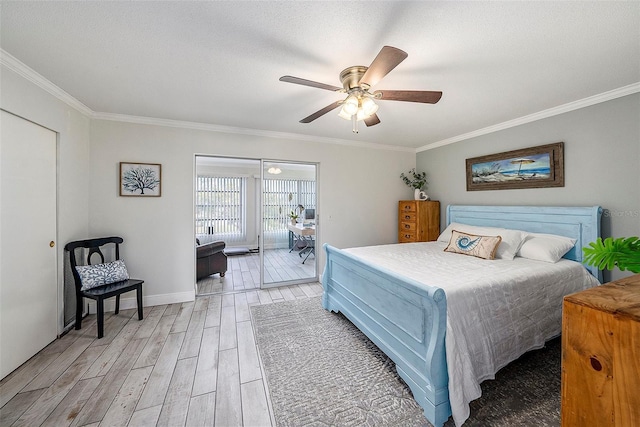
<point x="580" y="223"/>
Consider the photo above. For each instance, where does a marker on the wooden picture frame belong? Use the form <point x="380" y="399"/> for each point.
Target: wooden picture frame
<point x="534" y="167"/>
<point x="140" y="179"/>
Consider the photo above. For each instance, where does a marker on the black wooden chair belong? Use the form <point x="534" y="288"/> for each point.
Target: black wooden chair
<point x="99" y="294"/>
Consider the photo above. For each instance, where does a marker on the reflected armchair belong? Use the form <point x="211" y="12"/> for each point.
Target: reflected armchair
<point x="210" y="259"/>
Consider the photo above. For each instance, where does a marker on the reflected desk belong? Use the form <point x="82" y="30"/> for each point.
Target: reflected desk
<point x="302" y="238"/>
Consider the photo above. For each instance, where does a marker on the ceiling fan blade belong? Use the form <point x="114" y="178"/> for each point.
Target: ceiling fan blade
<point x="424" y="96"/>
<point x="322" y="112"/>
<point x="305" y="82"/>
<point x="388" y="58"/>
<point x="372" y="120"/>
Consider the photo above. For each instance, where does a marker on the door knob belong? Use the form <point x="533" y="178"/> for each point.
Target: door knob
<point x="52" y="244"/>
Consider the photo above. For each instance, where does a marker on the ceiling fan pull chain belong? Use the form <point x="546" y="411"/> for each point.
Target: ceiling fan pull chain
<point x="354" y="121"/>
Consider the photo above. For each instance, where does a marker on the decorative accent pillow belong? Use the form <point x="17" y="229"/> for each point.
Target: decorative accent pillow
<point x="508" y="248"/>
<point x="545" y="247"/>
<point x="92" y="276"/>
<point x="470" y="244"/>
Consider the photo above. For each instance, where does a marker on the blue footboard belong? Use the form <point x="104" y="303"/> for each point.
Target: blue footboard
<point x="405" y="319"/>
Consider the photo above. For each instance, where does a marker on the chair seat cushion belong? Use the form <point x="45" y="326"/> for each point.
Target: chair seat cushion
<point x="105" y="291"/>
<point x="95" y="275"/>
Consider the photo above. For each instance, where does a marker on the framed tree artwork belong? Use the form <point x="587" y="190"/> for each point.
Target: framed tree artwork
<point x="140" y="179"/>
<point x="534" y="167"/>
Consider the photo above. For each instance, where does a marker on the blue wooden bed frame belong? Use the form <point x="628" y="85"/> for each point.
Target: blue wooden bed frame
<point x="407" y="319"/>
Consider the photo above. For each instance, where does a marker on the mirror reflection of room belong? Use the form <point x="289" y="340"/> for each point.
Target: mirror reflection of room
<point x="228" y="224"/>
<point x="289" y="198"/>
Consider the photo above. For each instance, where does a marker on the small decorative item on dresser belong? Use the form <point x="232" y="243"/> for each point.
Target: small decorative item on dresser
<point x="417" y="181"/>
<point x="418" y="220"/>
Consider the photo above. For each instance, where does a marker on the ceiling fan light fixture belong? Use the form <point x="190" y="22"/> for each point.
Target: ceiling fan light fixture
<point x="369" y="106"/>
<point x="351" y="105"/>
<point x="364" y="108"/>
<point x="344" y="115"/>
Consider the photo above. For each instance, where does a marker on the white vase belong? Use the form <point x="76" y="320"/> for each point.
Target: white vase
<point x="420" y="195"/>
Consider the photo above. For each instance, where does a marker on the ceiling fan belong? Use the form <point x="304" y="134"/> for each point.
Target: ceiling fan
<point x="356" y="83"/>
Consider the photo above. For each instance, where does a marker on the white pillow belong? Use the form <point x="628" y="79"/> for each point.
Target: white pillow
<point x="508" y="248"/>
<point x="545" y="247"/>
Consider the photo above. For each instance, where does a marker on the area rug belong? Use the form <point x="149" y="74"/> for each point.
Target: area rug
<point x="322" y="371"/>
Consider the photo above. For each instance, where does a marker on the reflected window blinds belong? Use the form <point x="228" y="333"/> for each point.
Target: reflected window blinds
<point x="221" y="208"/>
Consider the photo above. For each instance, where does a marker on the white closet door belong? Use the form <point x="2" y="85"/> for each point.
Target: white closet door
<point x="28" y="280"/>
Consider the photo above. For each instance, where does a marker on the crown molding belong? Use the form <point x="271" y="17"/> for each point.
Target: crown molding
<point x="23" y="70"/>
<point x="245" y="131"/>
<point x="17" y="66"/>
<point x="561" y="109"/>
<point x="20" y="68"/>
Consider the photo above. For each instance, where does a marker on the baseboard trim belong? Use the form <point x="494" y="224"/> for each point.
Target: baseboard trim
<point x="147" y="301"/>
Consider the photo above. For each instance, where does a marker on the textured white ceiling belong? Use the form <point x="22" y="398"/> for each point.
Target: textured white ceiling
<point x="219" y="62"/>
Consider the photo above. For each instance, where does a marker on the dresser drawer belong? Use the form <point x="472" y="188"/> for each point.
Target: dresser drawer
<point x="409" y="206"/>
<point x="406" y="236"/>
<point x="408" y="216"/>
<point x="406" y="227"/>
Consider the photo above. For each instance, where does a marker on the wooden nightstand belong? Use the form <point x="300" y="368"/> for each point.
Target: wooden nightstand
<point x="418" y="220"/>
<point x="601" y="355"/>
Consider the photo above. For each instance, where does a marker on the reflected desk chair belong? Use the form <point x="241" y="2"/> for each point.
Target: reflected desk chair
<point x="309" y="249"/>
<point x="304" y="239"/>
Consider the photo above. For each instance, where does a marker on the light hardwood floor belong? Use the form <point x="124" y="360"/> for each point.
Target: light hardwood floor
<point x="188" y="364"/>
<point x="244" y="271"/>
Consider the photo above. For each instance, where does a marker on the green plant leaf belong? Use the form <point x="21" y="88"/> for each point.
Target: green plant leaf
<point x="621" y="252"/>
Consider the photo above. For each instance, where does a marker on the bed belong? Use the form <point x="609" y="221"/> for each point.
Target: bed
<point x="405" y="313"/>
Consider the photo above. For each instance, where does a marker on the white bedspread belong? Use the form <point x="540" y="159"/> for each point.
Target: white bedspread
<point x="496" y="310"/>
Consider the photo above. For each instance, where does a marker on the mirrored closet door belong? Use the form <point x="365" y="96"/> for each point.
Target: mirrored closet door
<point x="255" y="224"/>
<point x="289" y="223"/>
<point x="227" y="224"/>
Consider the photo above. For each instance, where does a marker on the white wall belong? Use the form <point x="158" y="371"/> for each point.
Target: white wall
<point x="23" y="98"/>
<point x="358" y="193"/>
<point x="601" y="158"/>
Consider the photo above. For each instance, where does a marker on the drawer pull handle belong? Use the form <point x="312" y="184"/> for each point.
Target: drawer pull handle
<point x="407" y="217"/>
<point x="595" y="364"/>
<point x="407" y="226"/>
<point x="407" y="236"/>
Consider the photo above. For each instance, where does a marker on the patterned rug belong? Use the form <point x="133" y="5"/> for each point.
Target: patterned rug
<point x="322" y="371"/>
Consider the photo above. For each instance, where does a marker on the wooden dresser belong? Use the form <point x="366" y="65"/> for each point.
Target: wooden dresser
<point x="418" y="220"/>
<point x="601" y="355"/>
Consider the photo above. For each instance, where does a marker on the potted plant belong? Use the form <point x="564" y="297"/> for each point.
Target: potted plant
<point x="622" y="252"/>
<point x="295" y="214"/>
<point x="417" y="181"/>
